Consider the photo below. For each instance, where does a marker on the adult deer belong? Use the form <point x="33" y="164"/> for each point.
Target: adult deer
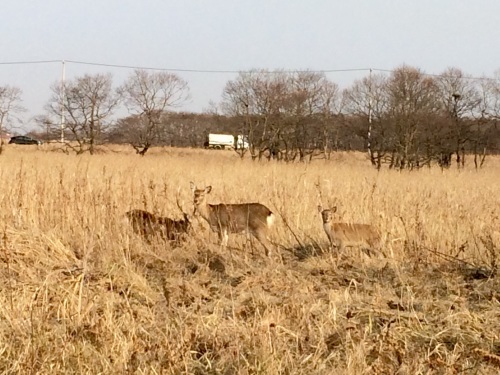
<point x="253" y="218"/>
<point x="342" y="235"/>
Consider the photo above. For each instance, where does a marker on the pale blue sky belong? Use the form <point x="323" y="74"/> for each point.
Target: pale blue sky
<point x="241" y="35"/>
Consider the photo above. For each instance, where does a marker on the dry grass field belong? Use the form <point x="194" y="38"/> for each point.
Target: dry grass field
<point x="80" y="292"/>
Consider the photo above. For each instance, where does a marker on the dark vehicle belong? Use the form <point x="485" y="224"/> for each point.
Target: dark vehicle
<point x="25" y="140"/>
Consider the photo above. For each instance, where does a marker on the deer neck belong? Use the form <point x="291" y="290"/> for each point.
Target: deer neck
<point x="327" y="226"/>
<point x="204" y="211"/>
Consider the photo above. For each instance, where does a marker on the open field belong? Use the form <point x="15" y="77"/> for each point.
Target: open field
<point x="81" y="293"/>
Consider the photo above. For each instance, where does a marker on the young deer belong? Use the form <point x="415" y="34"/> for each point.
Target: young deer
<point x="149" y="225"/>
<point x="342" y="235"/>
<point x="253" y="218"/>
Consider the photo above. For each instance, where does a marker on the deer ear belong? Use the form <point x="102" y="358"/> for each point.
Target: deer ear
<point x="193" y="186"/>
<point x="334" y="209"/>
<point x="320" y="209"/>
<point x="208" y="189"/>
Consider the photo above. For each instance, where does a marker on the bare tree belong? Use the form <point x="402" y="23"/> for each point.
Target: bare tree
<point x="459" y="99"/>
<point x="489" y="91"/>
<point x="282" y="113"/>
<point x="367" y="100"/>
<point x="397" y="113"/>
<point x="312" y="99"/>
<point x="88" y="103"/>
<point x="486" y="134"/>
<point x="48" y="129"/>
<point x="10" y="99"/>
<point x="413" y="102"/>
<point x="148" y="95"/>
<point x="258" y="97"/>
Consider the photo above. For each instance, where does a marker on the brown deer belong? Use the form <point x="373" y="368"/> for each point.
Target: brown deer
<point x="253" y="218"/>
<point x="149" y="225"/>
<point x="342" y="235"/>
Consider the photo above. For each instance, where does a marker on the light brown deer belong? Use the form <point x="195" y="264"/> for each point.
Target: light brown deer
<point x="150" y="226"/>
<point x="342" y="235"/>
<point x="252" y="218"/>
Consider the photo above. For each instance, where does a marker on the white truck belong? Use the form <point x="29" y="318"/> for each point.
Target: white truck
<point x="226" y="141"/>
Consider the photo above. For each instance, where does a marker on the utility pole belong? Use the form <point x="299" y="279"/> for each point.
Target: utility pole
<point x="460" y="159"/>
<point x="369" y="135"/>
<point x="63" y="94"/>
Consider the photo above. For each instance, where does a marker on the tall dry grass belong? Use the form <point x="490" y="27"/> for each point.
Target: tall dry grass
<point x="81" y="293"/>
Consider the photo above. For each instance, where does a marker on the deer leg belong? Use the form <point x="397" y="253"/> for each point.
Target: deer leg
<point x="367" y="250"/>
<point x="376" y="247"/>
<point x="220" y="236"/>
<point x="262" y="238"/>
<point x="224" y="237"/>
<point x="248" y="242"/>
<point x="339" y="245"/>
<point x="342" y="247"/>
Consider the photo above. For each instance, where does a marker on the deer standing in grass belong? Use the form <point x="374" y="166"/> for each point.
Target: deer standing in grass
<point x="149" y="225"/>
<point x="342" y="235"/>
<point x="253" y="218"/>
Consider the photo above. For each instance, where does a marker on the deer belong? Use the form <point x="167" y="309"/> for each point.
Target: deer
<point x="149" y="225"/>
<point x="251" y="218"/>
<point x="342" y="235"/>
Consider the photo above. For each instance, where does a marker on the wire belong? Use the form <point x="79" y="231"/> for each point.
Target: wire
<point x="29" y="62"/>
<point x="192" y="70"/>
<point x="214" y="71"/>
<point x="211" y="70"/>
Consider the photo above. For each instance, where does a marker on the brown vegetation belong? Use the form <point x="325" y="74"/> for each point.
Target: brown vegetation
<point x="82" y="294"/>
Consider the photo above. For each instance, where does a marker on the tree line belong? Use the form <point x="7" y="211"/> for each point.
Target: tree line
<point x="403" y="120"/>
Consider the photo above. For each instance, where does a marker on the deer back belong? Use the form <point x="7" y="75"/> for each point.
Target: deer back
<point x="239" y="217"/>
<point x="353" y="234"/>
<point x="143" y="222"/>
<point x="174" y="228"/>
<point x="149" y="225"/>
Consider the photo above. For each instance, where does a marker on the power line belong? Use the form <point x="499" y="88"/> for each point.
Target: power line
<point x="150" y="68"/>
<point x="213" y="70"/>
<point x="222" y="71"/>
<point x="187" y="70"/>
<point x="30" y="62"/>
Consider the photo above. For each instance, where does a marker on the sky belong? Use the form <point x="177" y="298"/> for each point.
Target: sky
<point x="238" y="35"/>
